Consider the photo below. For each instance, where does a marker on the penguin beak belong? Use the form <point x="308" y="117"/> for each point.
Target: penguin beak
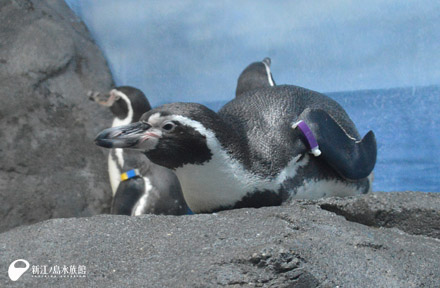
<point x="128" y="136"/>
<point x="104" y="99"/>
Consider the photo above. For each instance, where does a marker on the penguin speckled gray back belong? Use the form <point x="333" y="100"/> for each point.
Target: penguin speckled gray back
<point x="257" y="113"/>
<point x="256" y="150"/>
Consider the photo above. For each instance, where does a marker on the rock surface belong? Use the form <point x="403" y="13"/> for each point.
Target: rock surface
<point x="299" y="245"/>
<point x="50" y="166"/>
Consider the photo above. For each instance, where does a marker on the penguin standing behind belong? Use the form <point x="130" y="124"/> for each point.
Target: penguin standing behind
<point x="255" y="76"/>
<point x="138" y="186"/>
<point x="269" y="144"/>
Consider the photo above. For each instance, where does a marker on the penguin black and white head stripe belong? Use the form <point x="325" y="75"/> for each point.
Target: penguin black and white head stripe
<point x="256" y="75"/>
<point x="125" y="102"/>
<point x="139" y="186"/>
<point x="252" y="153"/>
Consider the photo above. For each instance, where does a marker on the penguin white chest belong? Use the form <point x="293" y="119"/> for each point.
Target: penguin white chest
<point x="223" y="181"/>
<point x="115" y="160"/>
<point x="116" y="156"/>
<point x="212" y="185"/>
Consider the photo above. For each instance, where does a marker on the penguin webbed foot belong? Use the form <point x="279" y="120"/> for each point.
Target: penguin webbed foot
<point x="351" y="158"/>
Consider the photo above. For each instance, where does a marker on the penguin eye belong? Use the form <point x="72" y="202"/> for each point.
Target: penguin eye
<point x="168" y="126"/>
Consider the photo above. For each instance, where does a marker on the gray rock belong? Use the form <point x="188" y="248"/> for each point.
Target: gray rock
<point x="410" y="212"/>
<point x="299" y="245"/>
<point x="50" y="166"/>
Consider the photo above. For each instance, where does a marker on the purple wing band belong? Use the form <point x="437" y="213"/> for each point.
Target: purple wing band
<point x="305" y="129"/>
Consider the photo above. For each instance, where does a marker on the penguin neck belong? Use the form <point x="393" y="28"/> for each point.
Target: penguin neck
<point x="221" y="138"/>
<point x="268" y="74"/>
<point x="120" y="120"/>
<point x="222" y="180"/>
<point x="130" y="117"/>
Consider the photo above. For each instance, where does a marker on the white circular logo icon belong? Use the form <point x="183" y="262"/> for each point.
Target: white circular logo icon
<point x="16" y="272"/>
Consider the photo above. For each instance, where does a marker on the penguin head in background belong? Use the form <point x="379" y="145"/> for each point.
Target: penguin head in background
<point x="255" y="76"/>
<point x="125" y="102"/>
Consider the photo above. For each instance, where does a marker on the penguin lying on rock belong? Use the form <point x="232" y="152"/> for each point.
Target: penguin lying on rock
<point x="139" y="186"/>
<point x="269" y="144"/>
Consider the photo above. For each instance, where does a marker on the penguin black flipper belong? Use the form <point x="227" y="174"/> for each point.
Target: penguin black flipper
<point x="127" y="195"/>
<point x="353" y="159"/>
<point x="256" y="75"/>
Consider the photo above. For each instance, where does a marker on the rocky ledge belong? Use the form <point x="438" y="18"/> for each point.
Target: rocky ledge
<point x="376" y="240"/>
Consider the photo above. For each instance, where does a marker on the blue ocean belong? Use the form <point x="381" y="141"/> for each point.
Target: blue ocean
<point x="406" y="122"/>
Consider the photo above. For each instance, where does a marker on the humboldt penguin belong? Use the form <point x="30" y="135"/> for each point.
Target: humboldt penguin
<point x="269" y="144"/>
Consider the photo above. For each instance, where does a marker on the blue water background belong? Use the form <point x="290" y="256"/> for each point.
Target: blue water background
<point x="406" y="123"/>
<point x="194" y="50"/>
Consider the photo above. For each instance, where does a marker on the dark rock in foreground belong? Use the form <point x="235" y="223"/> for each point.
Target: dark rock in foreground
<point x="410" y="212"/>
<point x="301" y="245"/>
<point x="50" y="166"/>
